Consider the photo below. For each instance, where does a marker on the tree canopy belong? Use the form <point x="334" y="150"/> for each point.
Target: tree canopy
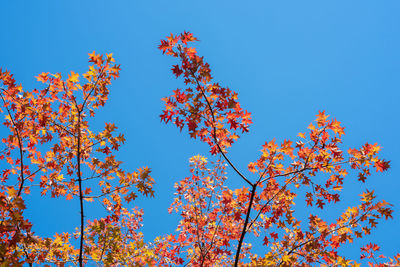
<point x="51" y="145"/>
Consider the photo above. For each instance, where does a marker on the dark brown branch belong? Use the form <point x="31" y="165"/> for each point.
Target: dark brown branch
<point x="215" y="130"/>
<point x="254" y="186"/>
<point x="78" y="158"/>
<point x="270" y="200"/>
<point x="21" y="185"/>
<point x="239" y="247"/>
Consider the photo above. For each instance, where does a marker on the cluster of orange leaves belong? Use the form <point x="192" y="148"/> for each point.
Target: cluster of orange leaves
<point x="49" y="137"/>
<point x="215" y="217"/>
<point x="52" y="147"/>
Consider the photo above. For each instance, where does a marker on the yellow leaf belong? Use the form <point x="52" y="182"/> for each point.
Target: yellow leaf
<point x="73" y="77"/>
<point x="302" y="135"/>
<point x="11" y="191"/>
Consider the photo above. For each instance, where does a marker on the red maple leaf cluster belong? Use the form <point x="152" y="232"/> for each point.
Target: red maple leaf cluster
<point x="210" y="112"/>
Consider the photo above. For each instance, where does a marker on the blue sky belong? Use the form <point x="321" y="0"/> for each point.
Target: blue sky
<point x="286" y="60"/>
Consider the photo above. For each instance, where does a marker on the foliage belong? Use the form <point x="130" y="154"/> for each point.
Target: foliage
<point x="51" y="145"/>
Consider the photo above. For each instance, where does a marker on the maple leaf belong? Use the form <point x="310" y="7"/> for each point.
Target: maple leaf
<point x="302" y="135"/>
<point x="227" y="197"/>
<point x="274" y="235"/>
<point x="187" y="37"/>
<point x="321" y="118"/>
<point x="382" y="165"/>
<point x="164" y="46"/>
<point x="43" y="77"/>
<point x="96" y="58"/>
<point x="177" y="71"/>
<point x="190" y="51"/>
<point x="335" y="126"/>
<point x="73" y="77"/>
<point x="11" y="191"/>
<point x="320" y="204"/>
<point x="362" y="177"/>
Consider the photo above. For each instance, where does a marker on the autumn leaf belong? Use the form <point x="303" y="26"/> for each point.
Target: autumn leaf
<point x="43" y="77"/>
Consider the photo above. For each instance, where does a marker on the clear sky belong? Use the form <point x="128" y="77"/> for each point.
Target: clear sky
<point x="286" y="60"/>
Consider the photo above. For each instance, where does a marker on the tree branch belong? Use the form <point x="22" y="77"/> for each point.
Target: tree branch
<point x="215" y="130"/>
<point x="253" y="191"/>
<point x="78" y="158"/>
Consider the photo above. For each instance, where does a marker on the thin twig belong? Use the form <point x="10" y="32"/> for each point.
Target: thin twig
<point x="215" y="130"/>
<point x="327" y="233"/>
